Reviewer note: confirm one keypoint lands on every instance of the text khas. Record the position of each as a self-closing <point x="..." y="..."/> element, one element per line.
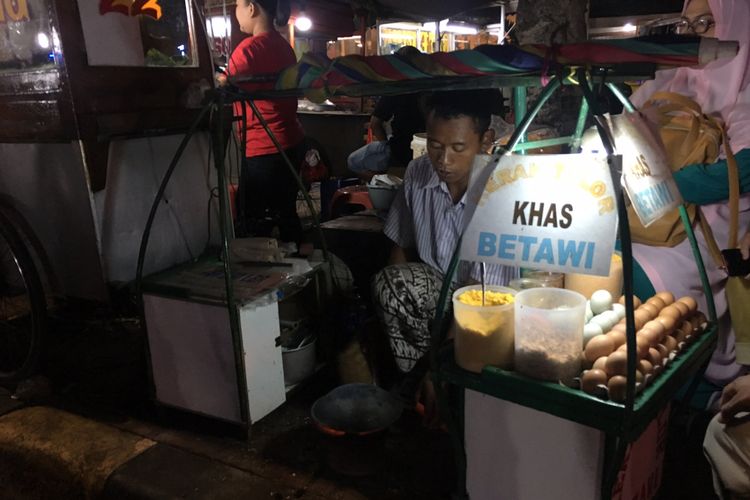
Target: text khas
<point x="531" y="213"/>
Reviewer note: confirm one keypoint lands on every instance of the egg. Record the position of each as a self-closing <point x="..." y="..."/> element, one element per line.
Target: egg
<point x="600" y="364"/>
<point x="597" y="347"/>
<point x="617" y="336"/>
<point x="695" y="322"/>
<point x="655" y="357"/>
<point x="620" y="327"/>
<point x="605" y="320"/>
<point x="672" y="311"/>
<point x="636" y="301"/>
<point x="701" y="318"/>
<point x="641" y="317"/>
<point x="591" y="330"/>
<point x="684" y="309"/>
<point x="651" y="336"/>
<point x="651" y="309"/>
<point x="666" y="297"/>
<point x="656" y="302"/>
<point x="668" y="322"/>
<point x="617" y="363"/>
<point x="588" y="312"/>
<point x="690" y="302"/>
<point x="645" y="367"/>
<point x="680" y="335"/>
<point x="670" y="343"/>
<point x="663" y="351"/>
<point x="657" y="327"/>
<point x="642" y="345"/>
<point x="617" y="388"/>
<point x="601" y="300"/>
<point x="619" y="310"/>
<point x="593" y="378"/>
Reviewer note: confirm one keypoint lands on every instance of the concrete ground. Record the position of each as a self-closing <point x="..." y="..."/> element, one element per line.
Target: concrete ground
<point x="98" y="393"/>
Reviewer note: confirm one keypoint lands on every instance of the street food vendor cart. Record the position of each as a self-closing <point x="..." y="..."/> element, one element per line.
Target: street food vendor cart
<point x="591" y="432"/>
<point x="95" y="97"/>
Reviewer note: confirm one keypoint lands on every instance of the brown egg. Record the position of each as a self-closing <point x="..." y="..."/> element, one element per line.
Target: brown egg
<point x="617" y="336"/>
<point x="684" y="309"/>
<point x="641" y="317"/>
<point x="655" y="357"/>
<point x="636" y="301"/>
<point x="617" y="363"/>
<point x="663" y="351"/>
<point x="679" y="334"/>
<point x="650" y="336"/>
<point x="642" y="345"/>
<point x="600" y="364"/>
<point x="645" y="367"/>
<point x="686" y="328"/>
<point x="620" y="327"/>
<point x="694" y="320"/>
<point x="593" y="378"/>
<point x="672" y="311"/>
<point x="617" y="388"/>
<point x="668" y="322"/>
<point x="651" y="309"/>
<point x="670" y="343"/>
<point x="599" y="346"/>
<point x="656" y="326"/>
<point x="690" y="302"/>
<point x="666" y="297"/>
<point x="656" y="302"/>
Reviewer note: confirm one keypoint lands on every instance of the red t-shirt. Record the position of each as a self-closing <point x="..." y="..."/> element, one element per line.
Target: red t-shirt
<point x="264" y="54"/>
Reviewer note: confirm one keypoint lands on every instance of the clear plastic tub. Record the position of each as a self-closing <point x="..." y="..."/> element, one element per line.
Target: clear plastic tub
<point x="484" y="334"/>
<point x="549" y="333"/>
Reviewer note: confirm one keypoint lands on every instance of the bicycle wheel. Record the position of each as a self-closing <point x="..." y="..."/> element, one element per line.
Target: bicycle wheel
<point x="22" y="306"/>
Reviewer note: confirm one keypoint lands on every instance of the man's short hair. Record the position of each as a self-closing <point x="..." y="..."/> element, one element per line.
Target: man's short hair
<point x="476" y="104"/>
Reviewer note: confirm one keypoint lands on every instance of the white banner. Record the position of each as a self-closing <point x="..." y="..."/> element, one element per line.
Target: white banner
<point x="551" y="212"/>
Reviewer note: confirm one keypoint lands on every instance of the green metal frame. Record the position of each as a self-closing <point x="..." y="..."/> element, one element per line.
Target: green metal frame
<point x="622" y="423"/>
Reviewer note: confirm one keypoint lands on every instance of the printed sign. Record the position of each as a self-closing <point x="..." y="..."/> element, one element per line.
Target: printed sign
<point x="551" y="212"/>
<point x="17" y="11"/>
<point x="647" y="177"/>
<point x="131" y="7"/>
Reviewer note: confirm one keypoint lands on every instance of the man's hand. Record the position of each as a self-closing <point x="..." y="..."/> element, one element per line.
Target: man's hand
<point x="735" y="398"/>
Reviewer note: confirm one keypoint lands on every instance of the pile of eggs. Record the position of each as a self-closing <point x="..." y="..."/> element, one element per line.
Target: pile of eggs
<point x="664" y="326"/>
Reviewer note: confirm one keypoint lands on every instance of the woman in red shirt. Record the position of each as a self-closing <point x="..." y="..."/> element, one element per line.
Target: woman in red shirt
<point x="267" y="193"/>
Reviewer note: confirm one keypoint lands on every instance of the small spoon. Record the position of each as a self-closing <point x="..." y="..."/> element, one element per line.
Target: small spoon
<point x="482" y="278"/>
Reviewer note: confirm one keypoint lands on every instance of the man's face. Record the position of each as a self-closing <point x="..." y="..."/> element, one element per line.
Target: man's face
<point x="452" y="145"/>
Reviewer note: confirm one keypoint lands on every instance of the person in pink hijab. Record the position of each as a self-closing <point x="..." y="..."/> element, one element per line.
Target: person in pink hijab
<point x="722" y="90"/>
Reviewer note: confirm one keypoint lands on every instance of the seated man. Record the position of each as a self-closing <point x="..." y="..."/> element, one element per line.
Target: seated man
<point x="425" y="222"/>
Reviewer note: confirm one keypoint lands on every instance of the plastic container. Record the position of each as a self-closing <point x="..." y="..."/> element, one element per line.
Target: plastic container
<point x="549" y="279"/>
<point x="549" y="333"/>
<point x="525" y="283"/>
<point x="484" y="334"/>
<point x="418" y="145"/>
<point x="298" y="363"/>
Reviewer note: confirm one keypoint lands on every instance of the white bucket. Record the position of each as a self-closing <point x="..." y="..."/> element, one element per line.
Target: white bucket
<point x="418" y="145"/>
<point x="298" y="363"/>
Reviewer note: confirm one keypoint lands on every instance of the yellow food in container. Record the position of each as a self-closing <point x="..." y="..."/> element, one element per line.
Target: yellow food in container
<point x="484" y="334"/>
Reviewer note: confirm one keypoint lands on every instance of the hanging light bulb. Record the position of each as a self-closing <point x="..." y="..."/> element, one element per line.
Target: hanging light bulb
<point x="302" y="23"/>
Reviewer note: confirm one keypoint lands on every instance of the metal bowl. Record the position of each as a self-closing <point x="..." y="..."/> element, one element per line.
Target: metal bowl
<point x="357" y="409"/>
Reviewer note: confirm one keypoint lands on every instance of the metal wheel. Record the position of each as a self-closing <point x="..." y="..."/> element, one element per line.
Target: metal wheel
<point x="22" y="306"/>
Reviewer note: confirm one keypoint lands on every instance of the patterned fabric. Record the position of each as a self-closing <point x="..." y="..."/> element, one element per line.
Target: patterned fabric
<point x="323" y="77"/>
<point x="406" y="298"/>
<point x="423" y="216"/>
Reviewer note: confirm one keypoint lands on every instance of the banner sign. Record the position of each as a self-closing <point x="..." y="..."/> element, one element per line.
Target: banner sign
<point x="551" y="212"/>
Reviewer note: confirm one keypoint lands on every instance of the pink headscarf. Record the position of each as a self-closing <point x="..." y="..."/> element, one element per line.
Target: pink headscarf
<point x="721" y="86"/>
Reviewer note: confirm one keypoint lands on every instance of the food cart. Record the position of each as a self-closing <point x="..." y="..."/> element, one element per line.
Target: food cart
<point x="95" y="97"/>
<point x="595" y="431"/>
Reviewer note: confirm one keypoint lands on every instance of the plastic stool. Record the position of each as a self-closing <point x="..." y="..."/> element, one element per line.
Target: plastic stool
<point x="350" y="195"/>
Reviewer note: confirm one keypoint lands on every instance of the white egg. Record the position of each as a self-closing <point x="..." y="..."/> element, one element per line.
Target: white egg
<point x="589" y="312"/>
<point x="601" y="301"/>
<point x="611" y="317"/>
<point x="590" y="331"/>
<point x="604" y="321"/>
<point x="619" y="310"/>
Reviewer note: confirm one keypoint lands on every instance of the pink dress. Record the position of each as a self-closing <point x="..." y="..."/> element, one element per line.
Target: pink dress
<point x="721" y="88"/>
